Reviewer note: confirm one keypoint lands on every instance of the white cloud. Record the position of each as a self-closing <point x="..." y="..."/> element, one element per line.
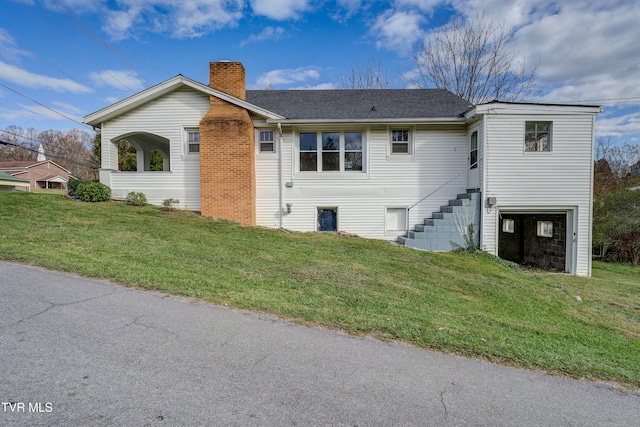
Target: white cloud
<point x="127" y="80"/>
<point x="269" y="33"/>
<point x="35" y="112"/>
<point x="424" y="5"/>
<point x="280" y="9"/>
<point x="287" y="77"/>
<point x="181" y="19"/>
<point x="398" y="30"/>
<point x="618" y="126"/>
<point x="25" y="78"/>
<point x="9" y="49"/>
<point x="321" y="86"/>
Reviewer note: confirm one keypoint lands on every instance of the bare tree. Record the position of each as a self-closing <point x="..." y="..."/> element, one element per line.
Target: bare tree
<point x="371" y="75"/>
<point x="617" y="166"/>
<point x="475" y="59"/>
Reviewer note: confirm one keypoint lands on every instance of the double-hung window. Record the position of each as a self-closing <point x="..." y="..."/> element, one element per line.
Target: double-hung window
<point x="266" y="141"/>
<point x="193" y="141"/>
<point x="400" y="141"/>
<point x="537" y="136"/>
<point x="331" y="151"/>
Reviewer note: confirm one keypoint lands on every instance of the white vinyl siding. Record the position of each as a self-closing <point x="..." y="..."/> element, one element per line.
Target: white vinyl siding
<point x="169" y="117"/>
<point x="559" y="180"/>
<point x="440" y="154"/>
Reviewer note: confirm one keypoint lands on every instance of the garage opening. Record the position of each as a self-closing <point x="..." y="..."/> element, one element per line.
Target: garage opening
<point x="534" y="239"/>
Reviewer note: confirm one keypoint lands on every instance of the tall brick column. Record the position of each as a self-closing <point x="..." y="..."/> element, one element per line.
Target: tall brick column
<point x="227" y="162"/>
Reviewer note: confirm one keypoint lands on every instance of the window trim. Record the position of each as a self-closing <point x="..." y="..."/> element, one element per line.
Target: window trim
<point x="550" y="136"/>
<point x="188" y="131"/>
<point x="473" y="139"/>
<point x="317" y="219"/>
<point x="410" y="132"/>
<point x="259" y="141"/>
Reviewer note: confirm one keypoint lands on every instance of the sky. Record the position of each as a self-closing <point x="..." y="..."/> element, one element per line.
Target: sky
<point x="63" y="59"/>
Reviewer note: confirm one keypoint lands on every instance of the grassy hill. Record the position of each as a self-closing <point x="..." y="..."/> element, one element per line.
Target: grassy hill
<point x="466" y="304"/>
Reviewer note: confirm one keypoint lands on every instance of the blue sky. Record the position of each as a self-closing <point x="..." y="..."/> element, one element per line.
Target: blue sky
<point x="78" y="56"/>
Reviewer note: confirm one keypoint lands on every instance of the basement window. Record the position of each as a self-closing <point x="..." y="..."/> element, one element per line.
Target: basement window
<point x="545" y="229"/>
<point x="508" y="226"/>
<point x="327" y="219"/>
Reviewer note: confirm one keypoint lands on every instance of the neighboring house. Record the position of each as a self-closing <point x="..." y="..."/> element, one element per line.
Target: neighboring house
<point x="40" y="173"/>
<point x="417" y="165"/>
<point x="11" y="183"/>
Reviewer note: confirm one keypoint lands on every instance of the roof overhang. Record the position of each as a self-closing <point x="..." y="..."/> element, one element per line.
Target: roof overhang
<point x="524" y="108"/>
<point x="396" y="121"/>
<point x="114" y="110"/>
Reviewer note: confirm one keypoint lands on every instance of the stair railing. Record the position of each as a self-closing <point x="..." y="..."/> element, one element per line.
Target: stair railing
<point x="426" y="197"/>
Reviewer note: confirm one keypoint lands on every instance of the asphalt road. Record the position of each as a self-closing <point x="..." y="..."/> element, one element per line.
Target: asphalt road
<point x="80" y="352"/>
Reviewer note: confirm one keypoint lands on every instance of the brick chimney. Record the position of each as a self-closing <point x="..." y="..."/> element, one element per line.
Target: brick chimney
<point x="227" y="148"/>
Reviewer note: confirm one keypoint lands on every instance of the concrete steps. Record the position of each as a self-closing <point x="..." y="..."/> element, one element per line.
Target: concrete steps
<point x="446" y="226"/>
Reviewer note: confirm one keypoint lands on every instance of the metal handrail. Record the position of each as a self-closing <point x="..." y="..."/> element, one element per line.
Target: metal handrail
<point x="427" y="196"/>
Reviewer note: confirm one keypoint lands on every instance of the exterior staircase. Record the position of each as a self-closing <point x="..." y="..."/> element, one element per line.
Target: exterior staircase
<point x="447" y="225"/>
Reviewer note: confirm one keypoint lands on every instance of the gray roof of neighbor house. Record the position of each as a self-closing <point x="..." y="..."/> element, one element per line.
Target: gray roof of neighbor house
<point x="359" y="104"/>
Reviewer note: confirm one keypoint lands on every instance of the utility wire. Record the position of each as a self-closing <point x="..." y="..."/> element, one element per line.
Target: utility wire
<point x="48" y="108"/>
<point x="75" y="162"/>
<point x="75" y="47"/>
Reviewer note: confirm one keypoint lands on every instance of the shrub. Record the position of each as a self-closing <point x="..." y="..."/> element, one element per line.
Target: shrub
<point x="169" y="204"/>
<point x="91" y="191"/>
<point x="72" y="186"/>
<point x="136" y="199"/>
<point x="616" y="226"/>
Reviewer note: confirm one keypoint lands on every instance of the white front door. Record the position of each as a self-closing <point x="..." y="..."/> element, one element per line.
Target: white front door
<point x="473" y="179"/>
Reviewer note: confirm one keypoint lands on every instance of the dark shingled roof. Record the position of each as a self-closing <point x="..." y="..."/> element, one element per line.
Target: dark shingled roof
<point x="359" y="104"/>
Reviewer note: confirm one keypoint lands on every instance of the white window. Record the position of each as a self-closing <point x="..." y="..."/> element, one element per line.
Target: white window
<point x="537" y="136"/>
<point x="193" y="141"/>
<point x="400" y="141"/>
<point x="265" y="139"/>
<point x="396" y="219"/>
<point x="545" y="228"/>
<point x="508" y="226"/>
<point x="331" y="151"/>
<point x="473" y="151"/>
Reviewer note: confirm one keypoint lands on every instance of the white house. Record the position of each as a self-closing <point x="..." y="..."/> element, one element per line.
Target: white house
<point x="416" y="165"/>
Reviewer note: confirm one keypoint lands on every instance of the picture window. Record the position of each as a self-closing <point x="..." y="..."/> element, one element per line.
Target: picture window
<point x="331" y="151"/>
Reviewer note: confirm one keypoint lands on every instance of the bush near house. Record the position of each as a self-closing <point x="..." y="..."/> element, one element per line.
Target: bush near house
<point x="91" y="191"/>
<point x="136" y="199"/>
<point x="616" y="226"/>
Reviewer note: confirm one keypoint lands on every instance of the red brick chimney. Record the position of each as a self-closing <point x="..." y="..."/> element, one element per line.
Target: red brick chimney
<point x="227" y="162"/>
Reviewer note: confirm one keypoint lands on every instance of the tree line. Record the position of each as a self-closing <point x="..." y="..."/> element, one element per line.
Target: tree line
<point x="74" y="149"/>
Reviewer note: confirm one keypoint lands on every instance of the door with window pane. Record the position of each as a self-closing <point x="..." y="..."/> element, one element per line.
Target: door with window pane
<point x="473" y="177"/>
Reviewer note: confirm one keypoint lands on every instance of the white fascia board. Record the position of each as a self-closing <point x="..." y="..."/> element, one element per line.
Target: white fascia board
<point x="531" y="108"/>
<point x="96" y="119"/>
<point x="382" y="121"/>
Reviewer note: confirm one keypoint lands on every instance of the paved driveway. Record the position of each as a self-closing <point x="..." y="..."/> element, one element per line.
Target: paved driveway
<point x="83" y="352"/>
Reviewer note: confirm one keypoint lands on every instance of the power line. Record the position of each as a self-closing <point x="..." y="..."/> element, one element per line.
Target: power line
<point x="75" y="162"/>
<point x="44" y="106"/>
<point x="75" y="48"/>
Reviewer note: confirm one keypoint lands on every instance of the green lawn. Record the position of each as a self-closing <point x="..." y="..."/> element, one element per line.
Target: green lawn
<point x="453" y="302"/>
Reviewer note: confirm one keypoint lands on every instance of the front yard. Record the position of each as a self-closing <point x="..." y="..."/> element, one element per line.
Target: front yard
<point x="451" y="302"/>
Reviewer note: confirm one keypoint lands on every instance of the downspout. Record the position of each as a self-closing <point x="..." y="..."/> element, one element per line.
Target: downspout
<point x="483" y="177"/>
<point x="280" y="181"/>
